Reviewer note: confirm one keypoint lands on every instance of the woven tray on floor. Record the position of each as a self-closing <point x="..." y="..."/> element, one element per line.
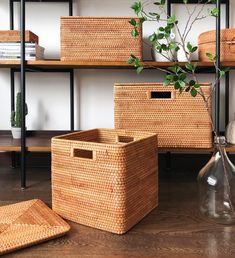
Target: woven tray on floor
<point x="27" y="223"/>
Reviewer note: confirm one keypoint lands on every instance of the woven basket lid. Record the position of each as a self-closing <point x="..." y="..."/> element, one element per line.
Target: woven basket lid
<point x="27" y="223"/>
<point x="210" y="36"/>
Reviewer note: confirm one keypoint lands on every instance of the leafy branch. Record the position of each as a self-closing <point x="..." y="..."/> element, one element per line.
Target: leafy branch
<point x="163" y="40"/>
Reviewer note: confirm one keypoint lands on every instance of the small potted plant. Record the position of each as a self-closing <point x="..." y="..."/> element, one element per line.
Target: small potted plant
<point x="16" y="118"/>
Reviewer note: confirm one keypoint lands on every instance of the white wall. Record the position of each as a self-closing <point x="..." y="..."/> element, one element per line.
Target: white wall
<point x="48" y="93"/>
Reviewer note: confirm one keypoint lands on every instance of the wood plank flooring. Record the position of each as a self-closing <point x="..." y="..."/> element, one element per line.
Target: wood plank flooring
<point x="173" y="230"/>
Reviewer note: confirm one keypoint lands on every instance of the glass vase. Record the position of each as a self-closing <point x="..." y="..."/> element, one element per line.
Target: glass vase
<point x="216" y="182"/>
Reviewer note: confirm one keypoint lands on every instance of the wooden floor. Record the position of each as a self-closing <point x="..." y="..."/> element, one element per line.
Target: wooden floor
<point x="174" y="229"/>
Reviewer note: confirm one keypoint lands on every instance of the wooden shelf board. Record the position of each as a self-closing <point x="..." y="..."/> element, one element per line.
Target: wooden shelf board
<point x="40" y="141"/>
<point x="34" y="144"/>
<point x="58" y="64"/>
<point x="105" y="64"/>
<point x="121" y="64"/>
<point x="36" y="141"/>
<point x="184" y="150"/>
<point x="9" y="63"/>
<point x="77" y="64"/>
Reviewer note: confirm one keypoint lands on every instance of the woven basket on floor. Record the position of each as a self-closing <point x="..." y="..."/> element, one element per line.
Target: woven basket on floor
<point x="206" y="44"/>
<point x="14" y="36"/>
<point x="98" y="39"/>
<point x="28" y="223"/>
<point x="105" y="178"/>
<point x="179" y="120"/>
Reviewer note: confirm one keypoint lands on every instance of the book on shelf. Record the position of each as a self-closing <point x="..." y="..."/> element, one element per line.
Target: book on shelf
<point x="12" y="51"/>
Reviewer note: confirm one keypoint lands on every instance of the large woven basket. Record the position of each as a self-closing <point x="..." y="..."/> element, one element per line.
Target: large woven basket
<point x="14" y="36"/>
<point x="105" y="178"/>
<point x="98" y="39"/>
<point x="180" y="121"/>
<point x="206" y="44"/>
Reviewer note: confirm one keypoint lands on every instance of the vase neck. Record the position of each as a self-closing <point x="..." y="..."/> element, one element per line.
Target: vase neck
<point x="219" y="141"/>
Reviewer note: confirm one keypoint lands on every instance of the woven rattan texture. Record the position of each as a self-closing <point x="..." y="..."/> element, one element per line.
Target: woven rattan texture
<point x="27" y="223"/>
<point x="115" y="188"/>
<point x="179" y="120"/>
<point x="14" y="36"/>
<point x="206" y="44"/>
<point x="98" y="39"/>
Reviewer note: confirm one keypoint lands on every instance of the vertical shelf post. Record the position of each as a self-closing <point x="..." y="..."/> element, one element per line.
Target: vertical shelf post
<point x="22" y="88"/>
<point x="227" y="75"/>
<point x="11" y="3"/>
<point x="217" y="86"/>
<point x="12" y="71"/>
<point x="13" y="153"/>
<point x="71" y="80"/>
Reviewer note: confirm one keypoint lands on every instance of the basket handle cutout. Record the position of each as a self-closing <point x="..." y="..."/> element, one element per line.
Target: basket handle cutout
<point x="80" y="153"/>
<point x="160" y="94"/>
<point x="125" y="139"/>
<point x="231" y="46"/>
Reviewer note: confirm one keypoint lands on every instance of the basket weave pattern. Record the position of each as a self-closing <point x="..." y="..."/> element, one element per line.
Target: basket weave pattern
<point x="98" y="39"/>
<point x="28" y="223"/>
<point x="206" y="44"/>
<point x="115" y="188"/>
<point x="179" y="121"/>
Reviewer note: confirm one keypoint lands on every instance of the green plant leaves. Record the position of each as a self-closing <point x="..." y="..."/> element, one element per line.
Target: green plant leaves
<point x="137" y="7"/>
<point x="211" y="56"/>
<point x="166" y="82"/>
<point x="133" y="22"/>
<point x="131" y="59"/>
<point x="135" y="33"/>
<point x="223" y="71"/>
<point x="161" y="2"/>
<point x="139" y="69"/>
<point x="175" y="68"/>
<point x="193" y="92"/>
<point x="215" y="12"/>
<point x="155" y="15"/>
<point x="190" y="48"/>
<point x="172" y="19"/>
<point x="136" y="62"/>
<point x="191" y="67"/>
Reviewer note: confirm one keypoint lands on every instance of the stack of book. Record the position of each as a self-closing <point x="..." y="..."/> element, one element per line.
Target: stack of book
<point x="11" y="51"/>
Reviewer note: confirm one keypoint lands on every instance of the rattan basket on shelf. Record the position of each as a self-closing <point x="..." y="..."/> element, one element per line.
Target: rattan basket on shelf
<point x="14" y="36"/>
<point x="98" y="39"/>
<point x="207" y="44"/>
<point x="180" y="120"/>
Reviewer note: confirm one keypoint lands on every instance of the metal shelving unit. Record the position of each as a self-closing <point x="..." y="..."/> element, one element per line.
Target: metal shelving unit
<point x="42" y="143"/>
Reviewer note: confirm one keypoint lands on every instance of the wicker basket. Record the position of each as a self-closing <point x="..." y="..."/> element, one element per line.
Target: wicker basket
<point x="105" y="178"/>
<point x="180" y="121"/>
<point x="206" y="44"/>
<point x="98" y="39"/>
<point x="14" y="36"/>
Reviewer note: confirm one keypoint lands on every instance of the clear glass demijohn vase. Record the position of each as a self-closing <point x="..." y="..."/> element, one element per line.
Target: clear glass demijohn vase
<point x="216" y="181"/>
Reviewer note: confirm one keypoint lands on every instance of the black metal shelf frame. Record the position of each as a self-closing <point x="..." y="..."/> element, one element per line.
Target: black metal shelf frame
<point x="218" y="29"/>
<point x="23" y="70"/>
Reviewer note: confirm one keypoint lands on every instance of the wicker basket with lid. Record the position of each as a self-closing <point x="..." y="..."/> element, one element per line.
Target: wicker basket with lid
<point x="207" y="44"/>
